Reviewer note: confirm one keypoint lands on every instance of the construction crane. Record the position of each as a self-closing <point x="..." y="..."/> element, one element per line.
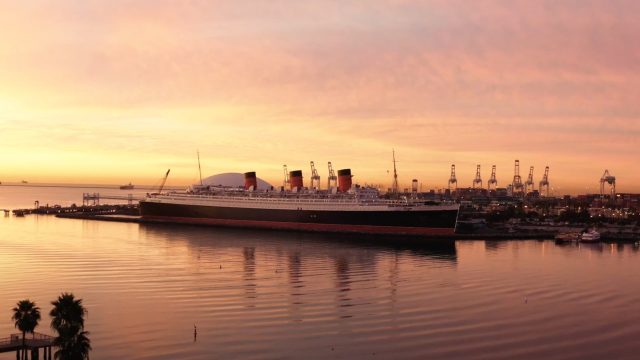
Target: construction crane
<point x="286" y="177"/>
<point x="163" y="181"/>
<point x="544" y="183"/>
<point x="395" y="186"/>
<point x="529" y="185"/>
<point x="517" y="185"/>
<point x="315" y="178"/>
<point x="492" y="184"/>
<point x="478" y="179"/>
<point x="608" y="179"/>
<point x="332" y="180"/>
<point x="452" y="179"/>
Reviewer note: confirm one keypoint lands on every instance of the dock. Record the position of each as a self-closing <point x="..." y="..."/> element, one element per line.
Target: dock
<point x="85" y="209"/>
<point x="90" y="205"/>
<point x="33" y="343"/>
<point x="94" y="198"/>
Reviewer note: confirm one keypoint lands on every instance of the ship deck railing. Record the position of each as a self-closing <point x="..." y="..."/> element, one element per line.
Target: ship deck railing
<point x="291" y="198"/>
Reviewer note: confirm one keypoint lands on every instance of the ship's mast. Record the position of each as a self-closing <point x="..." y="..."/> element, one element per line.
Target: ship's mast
<point x="199" y="168"/>
<point x="395" y="174"/>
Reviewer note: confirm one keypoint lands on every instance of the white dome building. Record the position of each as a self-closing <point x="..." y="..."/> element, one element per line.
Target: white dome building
<point x="232" y="179"/>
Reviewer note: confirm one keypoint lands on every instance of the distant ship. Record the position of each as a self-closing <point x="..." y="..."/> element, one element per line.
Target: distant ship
<point x="590" y="236"/>
<point x="24" y="182"/>
<point x="343" y="208"/>
<point x="127" y="187"/>
<point x="571" y="236"/>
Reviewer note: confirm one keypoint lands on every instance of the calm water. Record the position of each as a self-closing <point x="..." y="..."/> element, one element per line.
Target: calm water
<point x="269" y="295"/>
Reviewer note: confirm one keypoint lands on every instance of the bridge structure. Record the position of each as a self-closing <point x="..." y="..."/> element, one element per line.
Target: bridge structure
<point x="32" y="344"/>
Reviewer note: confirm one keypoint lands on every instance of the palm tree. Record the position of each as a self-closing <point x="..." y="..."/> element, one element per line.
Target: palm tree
<point x="67" y="312"/>
<point x="26" y="316"/>
<point x="72" y="346"/>
<point x="67" y="319"/>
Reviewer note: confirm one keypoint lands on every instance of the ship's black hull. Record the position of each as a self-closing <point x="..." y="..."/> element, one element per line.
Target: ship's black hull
<point x="434" y="222"/>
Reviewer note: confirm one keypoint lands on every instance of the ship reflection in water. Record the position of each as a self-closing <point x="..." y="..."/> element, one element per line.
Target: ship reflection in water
<point x="265" y="294"/>
<point x="350" y="257"/>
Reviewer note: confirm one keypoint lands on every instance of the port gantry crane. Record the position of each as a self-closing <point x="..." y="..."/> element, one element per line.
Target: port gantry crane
<point x="452" y="179"/>
<point x="332" y="180"/>
<point x="517" y="186"/>
<point x="315" y="178"/>
<point x="529" y="185"/>
<point x="478" y="179"/>
<point x="544" y="183"/>
<point x="286" y="182"/>
<point x="492" y="184"/>
<point x="608" y="179"/>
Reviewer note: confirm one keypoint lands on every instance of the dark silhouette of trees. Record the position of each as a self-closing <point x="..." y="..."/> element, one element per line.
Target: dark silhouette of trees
<point x="26" y="316"/>
<point x="67" y="319"/>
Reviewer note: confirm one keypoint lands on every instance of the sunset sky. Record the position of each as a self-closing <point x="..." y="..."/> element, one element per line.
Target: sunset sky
<point x="119" y="91"/>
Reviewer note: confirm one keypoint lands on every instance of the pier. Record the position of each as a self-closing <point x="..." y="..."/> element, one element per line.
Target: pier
<point x="33" y="343"/>
<point x="94" y="198"/>
<point x="122" y="209"/>
<point x="90" y="205"/>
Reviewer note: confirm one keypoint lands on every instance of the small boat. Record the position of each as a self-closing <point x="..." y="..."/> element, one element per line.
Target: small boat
<point x="127" y="187"/>
<point x="590" y="236"/>
<point x="571" y="236"/>
<point x="24" y="181"/>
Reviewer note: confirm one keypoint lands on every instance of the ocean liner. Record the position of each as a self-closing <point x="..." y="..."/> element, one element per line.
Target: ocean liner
<point x="342" y="208"/>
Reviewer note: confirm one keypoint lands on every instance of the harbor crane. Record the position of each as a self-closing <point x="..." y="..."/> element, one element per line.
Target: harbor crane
<point x="518" y="187"/>
<point x="611" y="181"/>
<point x="452" y="179"/>
<point x="286" y="177"/>
<point x="332" y="180"/>
<point x="478" y="179"/>
<point x="164" y="181"/>
<point x="492" y="184"/>
<point x="529" y="185"/>
<point x="315" y="177"/>
<point x="544" y="183"/>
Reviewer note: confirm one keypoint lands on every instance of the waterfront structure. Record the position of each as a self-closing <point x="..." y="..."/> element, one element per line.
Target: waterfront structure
<point x="345" y="209"/>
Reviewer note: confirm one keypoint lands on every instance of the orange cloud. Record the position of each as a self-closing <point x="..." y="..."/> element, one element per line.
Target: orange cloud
<point x="136" y="87"/>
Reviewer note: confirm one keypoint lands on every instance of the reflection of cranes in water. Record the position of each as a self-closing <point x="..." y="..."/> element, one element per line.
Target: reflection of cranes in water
<point x="343" y="286"/>
<point x="394" y="275"/>
<point x="296" y="285"/>
<point x="249" y="277"/>
<point x="295" y="265"/>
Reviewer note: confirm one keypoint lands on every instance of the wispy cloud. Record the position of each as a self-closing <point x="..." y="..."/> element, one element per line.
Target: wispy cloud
<point x="550" y="82"/>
